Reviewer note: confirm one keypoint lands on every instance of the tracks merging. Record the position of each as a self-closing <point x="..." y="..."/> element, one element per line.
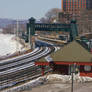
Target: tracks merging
<point x="19" y="69"/>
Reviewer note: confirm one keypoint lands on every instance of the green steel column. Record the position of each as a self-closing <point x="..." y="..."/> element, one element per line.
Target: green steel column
<point x="32" y="26"/>
<point x="27" y="34"/>
<point x="74" y="31"/>
<point x="31" y="31"/>
<point x="27" y="28"/>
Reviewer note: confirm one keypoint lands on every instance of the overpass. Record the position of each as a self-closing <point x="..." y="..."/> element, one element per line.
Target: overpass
<point x="32" y="27"/>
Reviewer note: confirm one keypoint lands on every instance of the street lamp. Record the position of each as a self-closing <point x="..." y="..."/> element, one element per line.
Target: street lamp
<point x="73" y="70"/>
<point x="29" y="39"/>
<point x="17" y="29"/>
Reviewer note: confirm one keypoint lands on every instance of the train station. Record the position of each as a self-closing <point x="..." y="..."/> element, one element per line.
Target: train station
<point x="75" y="53"/>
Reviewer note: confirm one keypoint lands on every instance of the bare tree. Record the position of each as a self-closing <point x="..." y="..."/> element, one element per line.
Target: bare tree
<point x="52" y="15"/>
<point x="43" y="20"/>
<point x="85" y="21"/>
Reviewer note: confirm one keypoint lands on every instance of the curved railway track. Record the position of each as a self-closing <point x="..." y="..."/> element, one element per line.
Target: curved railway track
<point x="8" y="61"/>
<point x="19" y="61"/>
<point x="22" y="68"/>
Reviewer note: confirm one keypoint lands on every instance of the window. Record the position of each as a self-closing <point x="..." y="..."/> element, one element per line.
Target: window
<point x="87" y="68"/>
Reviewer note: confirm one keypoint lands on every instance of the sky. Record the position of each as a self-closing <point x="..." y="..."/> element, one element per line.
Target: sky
<point x="24" y="9"/>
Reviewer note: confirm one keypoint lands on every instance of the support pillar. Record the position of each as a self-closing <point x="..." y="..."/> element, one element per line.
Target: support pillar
<point x="42" y="71"/>
<point x="52" y="65"/>
<point x="74" y="30"/>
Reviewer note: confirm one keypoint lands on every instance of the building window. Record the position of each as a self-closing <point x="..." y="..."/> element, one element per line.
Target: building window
<point x="87" y="68"/>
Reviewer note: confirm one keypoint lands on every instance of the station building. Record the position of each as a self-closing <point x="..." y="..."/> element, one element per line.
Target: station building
<point x="75" y="53"/>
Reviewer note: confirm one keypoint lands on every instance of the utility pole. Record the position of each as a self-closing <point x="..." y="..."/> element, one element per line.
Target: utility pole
<point x="73" y="70"/>
<point x="29" y="39"/>
<point x="72" y="82"/>
<point x="17" y="36"/>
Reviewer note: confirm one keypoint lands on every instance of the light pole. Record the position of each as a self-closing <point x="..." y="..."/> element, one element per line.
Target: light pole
<point x="72" y="82"/>
<point x="73" y="70"/>
<point x="17" y="35"/>
<point x="29" y="39"/>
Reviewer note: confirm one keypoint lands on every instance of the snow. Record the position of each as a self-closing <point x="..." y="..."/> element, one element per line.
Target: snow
<point x="48" y="58"/>
<point x="8" y="44"/>
<point x="48" y="78"/>
<point x="67" y="78"/>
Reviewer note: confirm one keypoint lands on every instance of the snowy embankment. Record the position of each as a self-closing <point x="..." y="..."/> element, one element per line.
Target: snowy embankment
<point x="49" y="78"/>
<point x="8" y="45"/>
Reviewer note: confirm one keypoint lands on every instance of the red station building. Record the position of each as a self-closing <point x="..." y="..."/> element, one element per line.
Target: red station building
<point x="74" y="53"/>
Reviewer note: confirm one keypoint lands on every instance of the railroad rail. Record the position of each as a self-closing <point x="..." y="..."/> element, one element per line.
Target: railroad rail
<point x="25" y="76"/>
<point x="22" y="68"/>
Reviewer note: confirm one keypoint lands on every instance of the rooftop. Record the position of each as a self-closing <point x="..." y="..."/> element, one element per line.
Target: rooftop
<point x="72" y="52"/>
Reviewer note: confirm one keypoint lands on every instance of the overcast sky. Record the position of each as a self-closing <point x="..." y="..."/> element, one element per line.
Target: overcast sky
<point x="24" y="9"/>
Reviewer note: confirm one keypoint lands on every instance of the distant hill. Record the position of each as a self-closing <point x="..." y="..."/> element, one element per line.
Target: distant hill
<point x="5" y="22"/>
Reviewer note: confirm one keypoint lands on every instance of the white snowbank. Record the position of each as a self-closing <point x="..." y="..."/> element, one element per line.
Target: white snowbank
<point x="8" y="45"/>
<point x="41" y="80"/>
<point x="67" y="78"/>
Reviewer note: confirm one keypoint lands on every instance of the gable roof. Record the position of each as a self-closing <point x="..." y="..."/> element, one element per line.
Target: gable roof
<point x="73" y="52"/>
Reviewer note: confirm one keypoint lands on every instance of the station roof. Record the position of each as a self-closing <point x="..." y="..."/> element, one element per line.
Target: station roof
<point x="72" y="52"/>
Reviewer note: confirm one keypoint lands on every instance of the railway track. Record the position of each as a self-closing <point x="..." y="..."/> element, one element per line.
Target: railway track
<point x="20" y="69"/>
<point x="22" y="64"/>
<point x="8" y="61"/>
<point x="18" y="62"/>
<point x="20" y="78"/>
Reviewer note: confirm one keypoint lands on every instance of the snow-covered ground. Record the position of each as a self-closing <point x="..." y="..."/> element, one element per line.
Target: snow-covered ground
<point x="63" y="79"/>
<point x="8" y="45"/>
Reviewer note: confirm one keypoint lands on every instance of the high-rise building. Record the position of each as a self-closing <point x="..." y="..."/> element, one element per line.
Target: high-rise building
<point x="74" y="6"/>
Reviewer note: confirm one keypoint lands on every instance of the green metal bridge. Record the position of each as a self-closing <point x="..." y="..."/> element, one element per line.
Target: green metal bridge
<point x="32" y="27"/>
